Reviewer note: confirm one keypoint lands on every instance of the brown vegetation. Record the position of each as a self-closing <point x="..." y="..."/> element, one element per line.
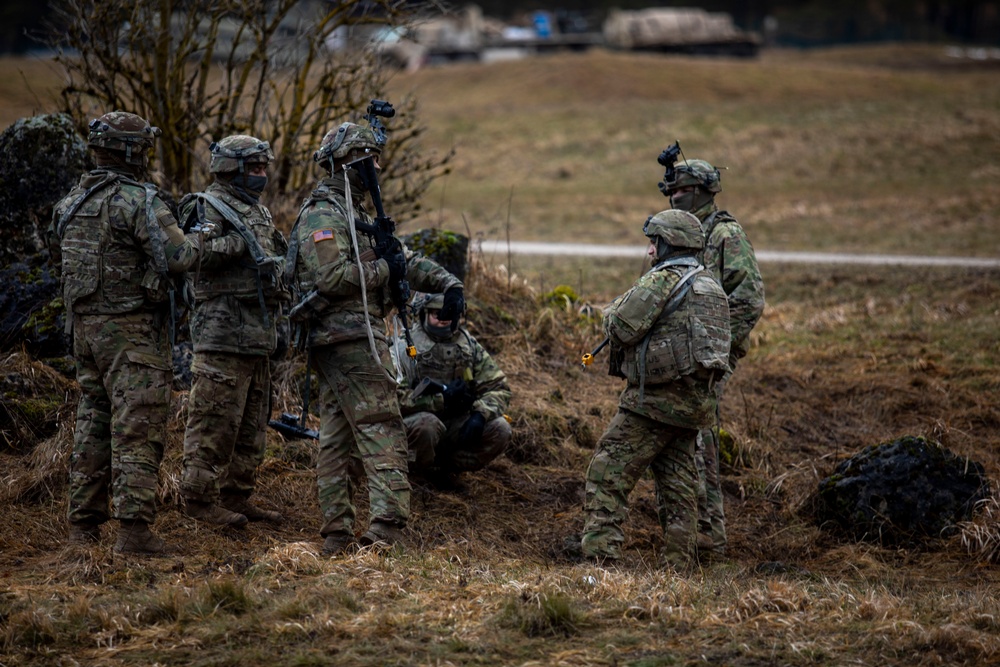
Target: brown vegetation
<point x="844" y="357"/>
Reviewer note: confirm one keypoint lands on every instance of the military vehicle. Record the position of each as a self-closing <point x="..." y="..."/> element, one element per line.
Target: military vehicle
<point x="682" y="30"/>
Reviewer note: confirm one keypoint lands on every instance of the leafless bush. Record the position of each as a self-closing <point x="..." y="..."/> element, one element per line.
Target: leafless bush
<point x="282" y="70"/>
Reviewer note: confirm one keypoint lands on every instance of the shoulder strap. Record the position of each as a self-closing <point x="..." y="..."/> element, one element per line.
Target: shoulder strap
<point x="234" y="219"/>
<point x="84" y="196"/>
<point x="674" y="299"/>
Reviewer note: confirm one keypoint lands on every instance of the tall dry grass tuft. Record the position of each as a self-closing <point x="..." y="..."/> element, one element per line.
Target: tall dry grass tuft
<point x="980" y="538"/>
<point x="542" y="614"/>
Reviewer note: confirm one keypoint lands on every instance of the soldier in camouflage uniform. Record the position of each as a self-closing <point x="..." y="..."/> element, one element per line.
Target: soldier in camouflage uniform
<point x="238" y="292"/>
<point x="460" y="425"/>
<point x="120" y="245"/>
<point x="669" y="338"/>
<point x="344" y="280"/>
<point x="729" y="256"/>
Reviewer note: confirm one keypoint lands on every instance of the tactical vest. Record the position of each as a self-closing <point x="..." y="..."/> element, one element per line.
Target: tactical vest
<point x="241" y="279"/>
<point x="94" y="262"/>
<point x="442" y="361"/>
<point x="694" y="336"/>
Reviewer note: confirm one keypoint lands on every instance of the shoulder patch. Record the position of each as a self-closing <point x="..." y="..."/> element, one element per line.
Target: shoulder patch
<point x="322" y="235"/>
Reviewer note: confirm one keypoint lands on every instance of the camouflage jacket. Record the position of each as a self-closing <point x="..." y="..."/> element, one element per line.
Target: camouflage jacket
<point x="325" y="260"/>
<point x="654" y="319"/>
<point x="460" y="358"/>
<point x="117" y="241"/>
<point x="236" y="305"/>
<point x="730" y="257"/>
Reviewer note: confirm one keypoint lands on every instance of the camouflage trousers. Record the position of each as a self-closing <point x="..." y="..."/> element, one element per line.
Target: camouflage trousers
<point x="226" y="432"/>
<point x="359" y="418"/>
<point x="123" y="367"/>
<point x="711" y="516"/>
<point x="629" y="446"/>
<point x="436" y="442"/>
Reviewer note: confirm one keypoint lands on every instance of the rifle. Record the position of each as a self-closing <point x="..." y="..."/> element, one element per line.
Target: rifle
<point x="383" y="229"/>
<point x="293" y="427"/>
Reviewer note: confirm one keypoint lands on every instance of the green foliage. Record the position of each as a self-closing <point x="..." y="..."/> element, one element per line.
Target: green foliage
<point x="561" y="295"/>
<point x="225" y="595"/>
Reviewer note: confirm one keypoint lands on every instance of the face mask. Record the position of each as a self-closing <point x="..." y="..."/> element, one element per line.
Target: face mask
<point x="256" y="183"/>
<point x="683" y="201"/>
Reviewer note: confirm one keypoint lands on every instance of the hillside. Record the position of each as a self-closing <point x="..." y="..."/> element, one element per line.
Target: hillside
<point x="844" y="150"/>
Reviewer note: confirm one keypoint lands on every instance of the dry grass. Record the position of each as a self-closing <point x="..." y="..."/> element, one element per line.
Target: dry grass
<point x="843" y="358"/>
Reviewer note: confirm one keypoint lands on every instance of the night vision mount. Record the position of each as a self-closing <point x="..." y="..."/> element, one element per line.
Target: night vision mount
<point x="668" y="157"/>
<point x="377" y="110"/>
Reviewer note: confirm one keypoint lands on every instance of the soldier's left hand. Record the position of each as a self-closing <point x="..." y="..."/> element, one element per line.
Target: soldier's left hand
<point x="454" y="305"/>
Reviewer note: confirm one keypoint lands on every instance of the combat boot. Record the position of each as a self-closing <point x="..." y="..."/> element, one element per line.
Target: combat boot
<point x="135" y="537"/>
<point x="84" y="533"/>
<point x="382" y="533"/>
<point x="337" y="544"/>
<point x="241" y="505"/>
<point x="214" y="514"/>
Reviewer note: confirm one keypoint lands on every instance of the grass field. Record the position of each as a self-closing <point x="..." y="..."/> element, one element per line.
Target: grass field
<point x="887" y="149"/>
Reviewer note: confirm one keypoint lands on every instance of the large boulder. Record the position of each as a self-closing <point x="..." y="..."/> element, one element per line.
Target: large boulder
<point x="448" y="249"/>
<point x="900" y="492"/>
<point x="41" y="159"/>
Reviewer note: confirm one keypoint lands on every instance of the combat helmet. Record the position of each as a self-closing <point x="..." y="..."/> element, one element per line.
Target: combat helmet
<point x="694" y="172"/>
<point x="678" y="229"/>
<point x="338" y="144"/>
<point x="123" y="132"/>
<point x="235" y="153"/>
<point x="433" y="302"/>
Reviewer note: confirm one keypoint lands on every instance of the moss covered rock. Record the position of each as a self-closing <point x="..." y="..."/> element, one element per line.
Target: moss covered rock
<point x="448" y="249"/>
<point x="41" y="159"/>
<point x="900" y="492"/>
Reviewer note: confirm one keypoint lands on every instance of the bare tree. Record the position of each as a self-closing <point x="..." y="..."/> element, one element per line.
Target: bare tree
<point x="283" y="70"/>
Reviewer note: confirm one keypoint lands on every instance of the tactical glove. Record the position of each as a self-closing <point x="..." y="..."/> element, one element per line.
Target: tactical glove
<point x="471" y="434"/>
<point x="454" y="306"/>
<point x="397" y="267"/>
<point x="458" y="398"/>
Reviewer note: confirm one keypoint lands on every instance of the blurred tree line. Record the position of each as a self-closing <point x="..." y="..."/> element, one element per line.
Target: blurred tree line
<point x="790" y="22"/>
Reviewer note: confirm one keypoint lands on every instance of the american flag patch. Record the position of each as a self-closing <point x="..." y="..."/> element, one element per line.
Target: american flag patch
<point x="322" y="235"/>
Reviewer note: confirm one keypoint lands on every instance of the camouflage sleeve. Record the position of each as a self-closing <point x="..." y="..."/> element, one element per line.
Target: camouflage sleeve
<point x="337" y="273"/>
<point x="426" y="275"/>
<point x="741" y="280"/>
<point x="632" y="315"/>
<point x="181" y="251"/>
<point x="492" y="391"/>
<point x="218" y="246"/>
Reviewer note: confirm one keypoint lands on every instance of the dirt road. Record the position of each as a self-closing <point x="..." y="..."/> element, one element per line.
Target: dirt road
<point x="500" y="248"/>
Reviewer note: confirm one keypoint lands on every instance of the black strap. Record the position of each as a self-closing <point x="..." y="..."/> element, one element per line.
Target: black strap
<point x="253" y="245"/>
<point x="674" y="300"/>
